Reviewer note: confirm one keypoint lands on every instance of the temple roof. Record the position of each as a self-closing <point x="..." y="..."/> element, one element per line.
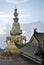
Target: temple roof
<point x="39" y="36"/>
<point x="29" y="51"/>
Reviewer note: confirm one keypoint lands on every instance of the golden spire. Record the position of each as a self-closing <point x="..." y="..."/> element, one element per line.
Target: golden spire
<point x="15" y="15"/>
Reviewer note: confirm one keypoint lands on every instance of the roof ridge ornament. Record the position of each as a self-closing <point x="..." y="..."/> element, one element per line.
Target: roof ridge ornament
<point x="35" y="30"/>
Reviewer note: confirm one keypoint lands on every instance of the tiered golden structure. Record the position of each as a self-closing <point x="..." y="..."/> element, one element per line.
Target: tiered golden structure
<point x="15" y="35"/>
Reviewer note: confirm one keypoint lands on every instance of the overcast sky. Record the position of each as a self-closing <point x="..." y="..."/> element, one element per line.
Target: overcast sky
<point x="29" y="11"/>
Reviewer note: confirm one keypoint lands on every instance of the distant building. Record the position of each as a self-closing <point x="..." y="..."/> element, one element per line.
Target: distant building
<point x="1" y="51"/>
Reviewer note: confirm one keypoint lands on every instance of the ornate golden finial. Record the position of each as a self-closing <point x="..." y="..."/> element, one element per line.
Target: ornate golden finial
<point x="15" y="15"/>
<point x="15" y="8"/>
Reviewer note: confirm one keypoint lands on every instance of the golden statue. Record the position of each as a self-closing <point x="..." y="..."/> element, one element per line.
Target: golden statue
<point x="16" y="36"/>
